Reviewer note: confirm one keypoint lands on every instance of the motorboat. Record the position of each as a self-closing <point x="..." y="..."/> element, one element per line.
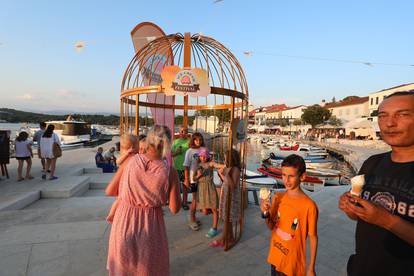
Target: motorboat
<point x="250" y="177"/>
<point x="72" y="133"/>
<point x="310" y="183"/>
<point x="311" y="162"/>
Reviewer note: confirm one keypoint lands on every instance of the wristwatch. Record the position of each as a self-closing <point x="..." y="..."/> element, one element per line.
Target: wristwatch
<point x="265" y="215"/>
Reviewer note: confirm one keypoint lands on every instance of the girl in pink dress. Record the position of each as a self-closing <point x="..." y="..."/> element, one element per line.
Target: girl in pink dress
<point x="138" y="241"/>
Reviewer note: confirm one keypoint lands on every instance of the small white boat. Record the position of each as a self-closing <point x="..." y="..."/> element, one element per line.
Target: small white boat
<point x="250" y="177"/>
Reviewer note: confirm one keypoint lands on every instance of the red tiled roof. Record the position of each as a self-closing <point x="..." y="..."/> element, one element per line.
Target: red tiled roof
<point x="275" y="108"/>
<point x="293" y="107"/>
<point x="350" y="101"/>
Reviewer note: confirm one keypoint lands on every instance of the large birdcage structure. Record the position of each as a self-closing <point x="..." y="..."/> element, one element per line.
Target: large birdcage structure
<point x="143" y="101"/>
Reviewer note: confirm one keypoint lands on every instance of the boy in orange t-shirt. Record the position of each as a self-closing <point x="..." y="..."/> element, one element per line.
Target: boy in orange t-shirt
<point x="292" y="217"/>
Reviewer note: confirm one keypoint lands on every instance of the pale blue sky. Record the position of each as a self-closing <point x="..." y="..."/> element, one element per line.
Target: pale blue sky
<point x="40" y="69"/>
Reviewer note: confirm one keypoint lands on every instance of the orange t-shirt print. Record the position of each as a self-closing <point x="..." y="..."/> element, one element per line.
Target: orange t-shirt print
<point x="296" y="219"/>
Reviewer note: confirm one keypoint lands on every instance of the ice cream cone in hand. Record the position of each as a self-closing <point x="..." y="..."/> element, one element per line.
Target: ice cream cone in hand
<point x="357" y="183"/>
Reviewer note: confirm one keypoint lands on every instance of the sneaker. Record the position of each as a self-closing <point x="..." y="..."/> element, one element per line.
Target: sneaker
<point x="211" y="233"/>
<point x="194" y="226"/>
<point x="53" y="178"/>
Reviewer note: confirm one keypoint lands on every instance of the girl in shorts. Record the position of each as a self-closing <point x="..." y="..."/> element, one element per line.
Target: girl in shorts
<point x="191" y="163"/>
<point x="23" y="153"/>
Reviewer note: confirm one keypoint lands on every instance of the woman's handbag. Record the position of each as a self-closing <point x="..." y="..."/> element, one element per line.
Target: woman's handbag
<point x="57" y="150"/>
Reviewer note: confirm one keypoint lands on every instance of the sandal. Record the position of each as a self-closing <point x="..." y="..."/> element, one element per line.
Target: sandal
<point x="193" y="226"/>
<point x="216" y="243"/>
<point x="29" y="177"/>
<point x="185" y="207"/>
<point x="53" y="178"/>
<point x="20" y="179"/>
<point x="198" y="222"/>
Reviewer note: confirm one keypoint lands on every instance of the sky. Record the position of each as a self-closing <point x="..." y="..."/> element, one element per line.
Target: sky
<point x="301" y="51"/>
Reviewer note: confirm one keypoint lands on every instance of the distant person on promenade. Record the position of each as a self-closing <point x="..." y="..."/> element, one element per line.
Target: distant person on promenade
<point x="190" y="164"/>
<point x="24" y="152"/>
<point x="292" y="217"/>
<point x="385" y="212"/>
<point x="99" y="159"/>
<point x="138" y="242"/>
<point x="47" y="144"/>
<point x="36" y="138"/>
<point x="109" y="156"/>
<point x="207" y="199"/>
<point x="179" y="148"/>
<point x="129" y="147"/>
<point x="230" y="174"/>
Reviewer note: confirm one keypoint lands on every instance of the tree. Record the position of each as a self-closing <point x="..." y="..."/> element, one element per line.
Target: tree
<point x="315" y="115"/>
<point x="297" y="122"/>
<point x="334" y="121"/>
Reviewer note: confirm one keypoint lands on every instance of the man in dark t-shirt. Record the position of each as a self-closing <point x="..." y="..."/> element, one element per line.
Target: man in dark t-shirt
<point x="385" y="211"/>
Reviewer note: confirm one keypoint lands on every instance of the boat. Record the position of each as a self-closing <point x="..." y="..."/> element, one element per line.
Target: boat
<point x="310" y="183"/>
<point x="72" y="133"/>
<point x="251" y="178"/>
<point x="311" y="162"/>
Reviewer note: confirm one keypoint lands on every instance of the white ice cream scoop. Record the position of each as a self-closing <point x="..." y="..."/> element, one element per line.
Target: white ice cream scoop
<point x="357" y="183"/>
<point x="264" y="194"/>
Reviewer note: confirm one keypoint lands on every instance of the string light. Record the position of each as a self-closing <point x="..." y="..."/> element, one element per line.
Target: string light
<point x="370" y="64"/>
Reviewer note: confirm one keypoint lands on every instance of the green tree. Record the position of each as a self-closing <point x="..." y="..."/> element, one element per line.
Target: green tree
<point x="315" y="115"/>
<point x="297" y="122"/>
<point x="333" y="120"/>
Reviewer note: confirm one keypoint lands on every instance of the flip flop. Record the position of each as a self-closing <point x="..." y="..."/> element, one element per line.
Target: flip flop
<point x="20" y="179"/>
<point x="53" y="178"/>
<point x="29" y="177"/>
<point x="216" y="243"/>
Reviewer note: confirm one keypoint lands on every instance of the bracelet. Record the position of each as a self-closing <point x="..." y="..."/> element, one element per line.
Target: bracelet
<point x="265" y="215"/>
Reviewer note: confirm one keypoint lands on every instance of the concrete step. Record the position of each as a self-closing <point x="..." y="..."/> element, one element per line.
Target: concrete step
<point x="100" y="181"/>
<point x="94" y="193"/>
<point x="19" y="200"/>
<point x="82" y="202"/>
<point x="65" y="187"/>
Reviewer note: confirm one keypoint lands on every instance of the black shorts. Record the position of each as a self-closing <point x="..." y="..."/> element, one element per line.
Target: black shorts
<point x="24" y="158"/>
<point x="274" y="272"/>
<point x="193" y="188"/>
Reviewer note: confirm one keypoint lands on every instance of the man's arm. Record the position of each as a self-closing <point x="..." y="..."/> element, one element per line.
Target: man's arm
<point x="313" y="247"/>
<point x="379" y="216"/>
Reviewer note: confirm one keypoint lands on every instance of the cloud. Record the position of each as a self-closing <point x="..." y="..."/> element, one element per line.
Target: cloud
<point x="26" y="97"/>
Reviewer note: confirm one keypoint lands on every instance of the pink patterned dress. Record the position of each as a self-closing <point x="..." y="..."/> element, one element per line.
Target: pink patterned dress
<point x="138" y="242"/>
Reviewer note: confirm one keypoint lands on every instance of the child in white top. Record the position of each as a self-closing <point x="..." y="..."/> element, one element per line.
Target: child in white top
<point x="24" y="152"/>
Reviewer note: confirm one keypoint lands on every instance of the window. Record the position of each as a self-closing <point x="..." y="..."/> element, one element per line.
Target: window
<point x="372" y="101"/>
<point x="376" y="100"/>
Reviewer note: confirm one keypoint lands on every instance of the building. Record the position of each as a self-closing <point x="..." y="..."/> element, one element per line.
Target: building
<point x="349" y="108"/>
<point x="377" y="97"/>
<point x="274" y="113"/>
<point x="206" y="124"/>
<point x="293" y="112"/>
<point x="263" y="114"/>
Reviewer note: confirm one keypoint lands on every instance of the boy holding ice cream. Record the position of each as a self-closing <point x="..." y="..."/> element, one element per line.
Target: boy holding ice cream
<point x="292" y="217"/>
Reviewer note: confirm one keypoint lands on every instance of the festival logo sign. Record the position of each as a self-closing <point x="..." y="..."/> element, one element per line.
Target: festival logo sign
<point x="192" y="82"/>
